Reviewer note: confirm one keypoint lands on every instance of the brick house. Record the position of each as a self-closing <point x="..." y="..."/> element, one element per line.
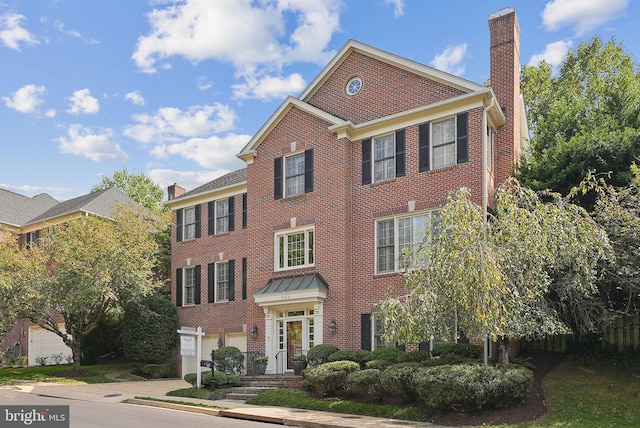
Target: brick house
<point x="297" y="248"/>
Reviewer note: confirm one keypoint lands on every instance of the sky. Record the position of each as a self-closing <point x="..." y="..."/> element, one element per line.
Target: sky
<point x="174" y="89"/>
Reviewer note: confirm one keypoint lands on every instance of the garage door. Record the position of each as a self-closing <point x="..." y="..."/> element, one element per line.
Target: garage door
<point x="44" y="344"/>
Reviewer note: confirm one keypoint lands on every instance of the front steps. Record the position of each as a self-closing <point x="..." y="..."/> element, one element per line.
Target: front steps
<point x="253" y="386"/>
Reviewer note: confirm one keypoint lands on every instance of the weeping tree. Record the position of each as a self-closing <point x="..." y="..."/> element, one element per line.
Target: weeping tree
<point x="526" y="271"/>
<point x="80" y="270"/>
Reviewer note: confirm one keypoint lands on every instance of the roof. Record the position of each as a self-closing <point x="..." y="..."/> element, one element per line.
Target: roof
<point x="309" y="281"/>
<point x="16" y="210"/>
<point x="230" y="179"/>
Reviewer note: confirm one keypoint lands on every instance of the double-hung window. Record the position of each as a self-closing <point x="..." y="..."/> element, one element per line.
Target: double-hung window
<point x="398" y="240"/>
<point x="222" y="216"/>
<point x="188" y="286"/>
<point x="188" y="223"/>
<point x="293" y="174"/>
<point x="222" y="282"/>
<point x="189" y="291"/>
<point x="443" y="143"/>
<point x="294" y="249"/>
<point x="383" y="157"/>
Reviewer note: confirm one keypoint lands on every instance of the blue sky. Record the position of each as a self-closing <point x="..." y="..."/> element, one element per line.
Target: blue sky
<point x="175" y="88"/>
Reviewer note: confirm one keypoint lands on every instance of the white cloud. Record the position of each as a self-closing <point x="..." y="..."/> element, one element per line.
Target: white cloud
<point x="398" y="7"/>
<point x="212" y="152"/>
<point x="51" y="113"/>
<point x="269" y="87"/>
<point x="71" y="32"/>
<point x="170" y="124"/>
<point x="553" y="53"/>
<point x="135" y="97"/>
<point x="26" y="99"/>
<point x="204" y="83"/>
<point x="257" y="38"/>
<point x="12" y="34"/>
<point x="450" y="60"/>
<point x="583" y="16"/>
<point x="81" y="141"/>
<point x="81" y="102"/>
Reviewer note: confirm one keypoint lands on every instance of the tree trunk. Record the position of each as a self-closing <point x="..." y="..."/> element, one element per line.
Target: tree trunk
<point x="76" y="353"/>
<point x="504" y="345"/>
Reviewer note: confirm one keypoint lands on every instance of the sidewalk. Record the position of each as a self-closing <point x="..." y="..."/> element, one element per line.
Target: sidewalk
<point x="156" y="390"/>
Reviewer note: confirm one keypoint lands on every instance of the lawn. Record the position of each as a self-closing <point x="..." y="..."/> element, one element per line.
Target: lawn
<point x="21" y="375"/>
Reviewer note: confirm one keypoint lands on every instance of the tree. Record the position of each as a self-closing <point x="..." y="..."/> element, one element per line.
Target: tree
<point x="527" y="271"/>
<point x="80" y="270"/>
<point x="585" y="118"/>
<point x="138" y="187"/>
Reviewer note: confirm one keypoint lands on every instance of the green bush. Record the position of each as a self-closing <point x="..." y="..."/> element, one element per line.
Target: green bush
<point x="388" y="354"/>
<point x="471" y="386"/>
<point x="360" y="356"/>
<point x="105" y="341"/>
<point x="398" y="380"/>
<point x="157" y="371"/>
<point x="466" y="350"/>
<point x="221" y="379"/>
<point x="229" y="359"/>
<point x="365" y="383"/>
<point x="204" y="376"/>
<point x="378" y="364"/>
<point x="448" y="360"/>
<point x="319" y="354"/>
<point x="328" y="378"/>
<point x="414" y="357"/>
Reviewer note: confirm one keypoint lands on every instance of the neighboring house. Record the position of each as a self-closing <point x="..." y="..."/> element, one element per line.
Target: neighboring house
<point x="297" y="248"/>
<point x="27" y="217"/>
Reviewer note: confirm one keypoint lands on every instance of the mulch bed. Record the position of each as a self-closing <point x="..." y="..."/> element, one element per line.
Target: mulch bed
<point x="530" y="409"/>
<point x="73" y="373"/>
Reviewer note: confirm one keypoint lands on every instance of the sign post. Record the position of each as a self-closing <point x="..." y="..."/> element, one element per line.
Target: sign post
<point x="190" y="345"/>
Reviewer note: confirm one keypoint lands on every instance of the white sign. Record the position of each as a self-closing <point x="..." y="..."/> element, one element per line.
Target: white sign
<point x="187" y="345"/>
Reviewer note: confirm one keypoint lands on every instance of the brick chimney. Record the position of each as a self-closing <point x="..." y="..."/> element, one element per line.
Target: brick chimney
<point x="505" y="82"/>
<point x="174" y="191"/>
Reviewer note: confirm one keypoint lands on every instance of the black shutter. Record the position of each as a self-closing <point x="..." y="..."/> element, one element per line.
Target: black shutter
<point x="401" y="347"/>
<point x="400" y="153"/>
<point x="178" y="225"/>
<point x="277" y="178"/>
<point x="308" y="171"/>
<point x="37" y="235"/>
<point x="198" y="285"/>
<point x="232" y="221"/>
<point x="423" y="147"/>
<point x="424" y="346"/>
<point x="366" y="161"/>
<point x="462" y="137"/>
<point x="244" y="210"/>
<point x="211" y="273"/>
<point x="178" y="287"/>
<point x="244" y="278"/>
<point x="211" y="224"/>
<point x="232" y="280"/>
<point x="198" y="227"/>
<point x="365" y="331"/>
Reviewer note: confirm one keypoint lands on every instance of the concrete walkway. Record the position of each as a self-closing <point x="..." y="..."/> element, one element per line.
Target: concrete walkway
<point x="127" y="392"/>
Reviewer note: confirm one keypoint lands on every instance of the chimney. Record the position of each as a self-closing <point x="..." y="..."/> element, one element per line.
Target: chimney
<point x="174" y="191"/>
<point x="505" y="82"/>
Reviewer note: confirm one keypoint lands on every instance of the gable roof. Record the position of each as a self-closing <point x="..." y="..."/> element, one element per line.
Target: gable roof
<point x="16" y="210"/>
<point x="228" y="180"/>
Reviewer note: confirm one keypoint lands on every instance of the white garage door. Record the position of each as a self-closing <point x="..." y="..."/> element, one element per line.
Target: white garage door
<point x="44" y="344"/>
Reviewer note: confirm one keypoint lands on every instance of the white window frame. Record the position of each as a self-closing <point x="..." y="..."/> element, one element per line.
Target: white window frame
<point x="400" y="263"/>
<point x="189" y="229"/>
<point x="383" y="158"/>
<point x="189" y="286"/>
<point x="444" y="144"/>
<point x="376" y="336"/>
<point x="296" y="177"/>
<point x="221" y="216"/>
<point x="221" y="282"/>
<point x="281" y="248"/>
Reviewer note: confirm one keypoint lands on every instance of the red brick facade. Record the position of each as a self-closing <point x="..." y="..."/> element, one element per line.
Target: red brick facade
<point x="396" y="95"/>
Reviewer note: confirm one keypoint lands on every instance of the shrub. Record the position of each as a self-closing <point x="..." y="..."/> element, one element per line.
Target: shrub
<point x="229" y="359"/>
<point x="466" y="350"/>
<point x="157" y="371"/>
<point x="388" y="354"/>
<point x="365" y="383"/>
<point x="449" y="360"/>
<point x="398" y="380"/>
<point x="414" y="357"/>
<point x="360" y="356"/>
<point x="328" y="378"/>
<point x="220" y="378"/>
<point x="378" y="364"/>
<point x="319" y="354"/>
<point x="204" y="376"/>
<point x="472" y="386"/>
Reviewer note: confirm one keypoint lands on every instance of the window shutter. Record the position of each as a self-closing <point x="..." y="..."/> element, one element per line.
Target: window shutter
<point x="365" y="330"/>
<point x="198" y="227"/>
<point x="244" y="210"/>
<point x="37" y="234"/>
<point x="423" y="147"/>
<point x="232" y="217"/>
<point x="462" y="137"/>
<point x="308" y="171"/>
<point x="198" y="287"/>
<point x="401" y="347"/>
<point x="424" y="346"/>
<point x="211" y="227"/>
<point x="178" y="225"/>
<point x="277" y="178"/>
<point x="211" y="274"/>
<point x="232" y="280"/>
<point x="400" y="153"/>
<point x="366" y="161"/>
<point x="178" y="287"/>
<point x="244" y="278"/>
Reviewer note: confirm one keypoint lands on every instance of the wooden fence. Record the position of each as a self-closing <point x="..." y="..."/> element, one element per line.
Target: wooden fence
<point x="623" y="333"/>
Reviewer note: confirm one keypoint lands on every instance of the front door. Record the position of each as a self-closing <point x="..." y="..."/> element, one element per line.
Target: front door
<point x="294" y="340"/>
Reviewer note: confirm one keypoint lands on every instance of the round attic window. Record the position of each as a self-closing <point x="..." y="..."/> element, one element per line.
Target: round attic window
<point x="354" y="85"/>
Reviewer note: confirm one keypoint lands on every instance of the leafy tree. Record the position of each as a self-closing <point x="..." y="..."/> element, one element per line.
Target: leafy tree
<point x="80" y="270"/>
<point x="138" y="187"/>
<point x="585" y="118"/>
<point x="528" y="271"/>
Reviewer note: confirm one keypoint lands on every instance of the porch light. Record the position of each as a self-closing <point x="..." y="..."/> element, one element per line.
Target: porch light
<point x="254" y="331"/>
<point x="333" y="326"/>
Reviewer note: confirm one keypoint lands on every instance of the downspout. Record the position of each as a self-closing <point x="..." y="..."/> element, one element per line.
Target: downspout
<point x="485" y="195"/>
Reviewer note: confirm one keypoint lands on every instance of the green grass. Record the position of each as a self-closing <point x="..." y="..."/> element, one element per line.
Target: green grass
<point x="21" y="375"/>
<point x="183" y="403"/>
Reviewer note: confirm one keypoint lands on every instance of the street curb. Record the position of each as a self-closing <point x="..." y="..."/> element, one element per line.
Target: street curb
<point x="174" y="406"/>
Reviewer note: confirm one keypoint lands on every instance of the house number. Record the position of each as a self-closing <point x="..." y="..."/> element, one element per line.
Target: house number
<point x="285" y="297"/>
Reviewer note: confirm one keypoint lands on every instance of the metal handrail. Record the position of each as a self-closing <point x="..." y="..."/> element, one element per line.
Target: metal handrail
<point x="282" y="358"/>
